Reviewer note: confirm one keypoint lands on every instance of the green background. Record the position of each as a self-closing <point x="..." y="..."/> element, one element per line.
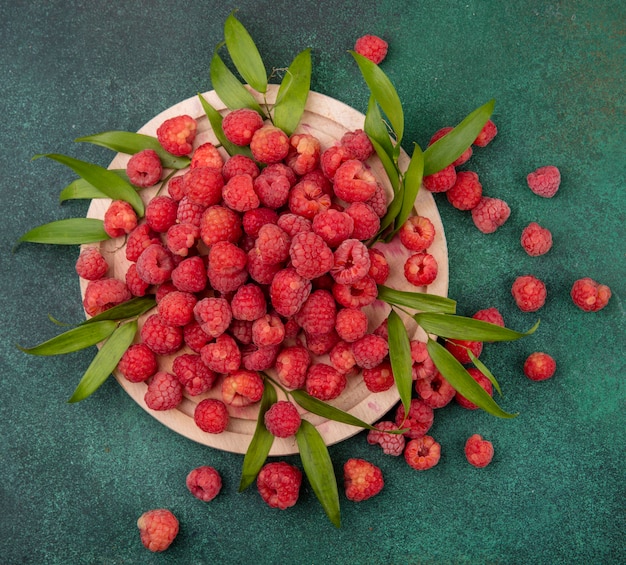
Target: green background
<point x="75" y="478"/>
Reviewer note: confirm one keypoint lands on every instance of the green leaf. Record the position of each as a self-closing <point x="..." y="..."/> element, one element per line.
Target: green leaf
<point x="129" y="309"/>
<point x="245" y="54"/>
<point x="452" y="145"/>
<point x="376" y="129"/>
<point x="73" y="340"/>
<point x="261" y="441"/>
<point x="460" y="327"/>
<point x="81" y="189"/>
<point x="131" y="143"/>
<point x="484" y="370"/>
<point x="293" y="93"/>
<point x="462" y="381"/>
<point x="400" y="358"/>
<point x="412" y="183"/>
<point x="384" y="92"/>
<point x="105" y="361"/>
<point x="104" y="180"/>
<point x="416" y="300"/>
<point x="67" y="232"/>
<point x="319" y="470"/>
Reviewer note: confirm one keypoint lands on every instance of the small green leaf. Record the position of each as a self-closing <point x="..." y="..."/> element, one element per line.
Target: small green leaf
<point x="261" y="441"/>
<point x="460" y="327"/>
<point x="73" y="340"/>
<point x="376" y="129"/>
<point x="412" y="182"/>
<point x="416" y="300"/>
<point x="67" y="232"/>
<point x="462" y="381"/>
<point x="104" y="180"/>
<point x="245" y="54"/>
<point x="484" y="370"/>
<point x="400" y="358"/>
<point x="105" y="361"/>
<point x="81" y="189"/>
<point x="319" y="470"/>
<point x="293" y="93"/>
<point x="131" y="143"/>
<point x="452" y="145"/>
<point x="129" y="309"/>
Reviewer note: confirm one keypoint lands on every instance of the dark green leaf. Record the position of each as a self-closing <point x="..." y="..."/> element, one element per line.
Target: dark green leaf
<point x="105" y="361"/>
<point x="293" y="93"/>
<point x="416" y="300"/>
<point x="484" y="370"/>
<point x="412" y="182"/>
<point x="452" y="145"/>
<point x="261" y="441"/>
<point x="376" y="129"/>
<point x="81" y="189"/>
<point x="462" y="381"/>
<point x="67" y="232"/>
<point x="73" y="340"/>
<point x="319" y="470"/>
<point x="245" y="54"/>
<point x="129" y="309"/>
<point x="460" y="327"/>
<point x="400" y="358"/>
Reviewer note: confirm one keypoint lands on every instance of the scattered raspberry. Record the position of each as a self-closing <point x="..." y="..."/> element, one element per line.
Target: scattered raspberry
<point x="418" y="421"/>
<point x="155" y="264"/>
<point x="211" y="416"/>
<point x="226" y="258"/>
<point x="181" y="238"/>
<point x="206" y="155"/>
<point x="288" y="291"/>
<point x="539" y="366"/>
<point x="272" y="244"/>
<point x="536" y="240"/>
<point x="273" y="185"/>
<point x="490" y="213"/>
<point x="354" y="182"/>
<point x="466" y="154"/>
<point x="254" y="220"/>
<point x="529" y="293"/>
<point x="136" y="285"/>
<point x="436" y="392"/>
<point x="91" y="265"/>
<point x="459" y="349"/>
<point x="333" y="226"/>
<point x="325" y="382"/>
<point x="279" y="484"/>
<point x="193" y="374"/>
<point x="138" y="239"/>
<point x="366" y="220"/>
<point x="222" y="356"/>
<point x="190" y="275"/>
<point x="491" y="315"/>
<point x="214" y="315"/>
<point x="362" y="479"/>
<point x="483" y="381"/>
<point x="203" y="186"/>
<point x="238" y="194"/>
<point x="119" y="219"/>
<point x="239" y="125"/>
<point x="545" y="181"/>
<point x="268" y="330"/>
<point x="369" y="351"/>
<point x="351" y="324"/>
<point x="176" y="135"/>
<point x="318" y="313"/>
<point x="160" y="337"/>
<point x="282" y="419"/>
<point x="102" y="294"/>
<point x="417" y="233"/>
<point x="420" y="269"/>
<point x="164" y="392"/>
<point x="259" y="358"/>
<point x="144" y="168"/>
<point x="176" y="308"/>
<point x="138" y="363"/>
<point x="351" y="262"/>
<point x="176" y="188"/>
<point x="292" y="364"/>
<point x="440" y="181"/>
<point x="479" y="451"/>
<point x="392" y="444"/>
<point x="242" y="388"/>
<point x="308" y="199"/>
<point x="589" y="295"/>
<point x="358" y="143"/>
<point x="189" y="212"/>
<point x="372" y="47"/>
<point x="379" y="378"/>
<point x="240" y="165"/>
<point x="269" y="144"/>
<point x="342" y="358"/>
<point x="321" y="344"/>
<point x="161" y="213"/>
<point x="485" y="136"/>
<point x="204" y="483"/>
<point x="423" y="366"/>
<point x="466" y="192"/>
<point x="157" y="529"/>
<point x="304" y="153"/>
<point x="358" y="294"/>
<point x="219" y="223"/>
<point x="422" y="453"/>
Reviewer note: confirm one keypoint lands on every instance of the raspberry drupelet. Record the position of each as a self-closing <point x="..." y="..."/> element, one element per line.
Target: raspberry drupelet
<point x="157" y="528"/>
<point x="204" y="483"/>
<point x="279" y="484"/>
<point x="589" y="295"/>
<point x="362" y="479"/>
<point x="478" y="451"/>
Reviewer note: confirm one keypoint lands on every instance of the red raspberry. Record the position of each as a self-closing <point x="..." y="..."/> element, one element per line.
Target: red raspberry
<point x="392" y="444"/>
<point x="490" y="213"/>
<point x="293" y="224"/>
<point x="545" y="181"/>
<point x="436" y="392"/>
<point x="466" y="192"/>
<point x="318" y="313"/>
<point x="248" y="303"/>
<point x="273" y="185"/>
<point x="466" y="154"/>
<point x="342" y="358"/>
<point x="144" y="168"/>
<point x="176" y="188"/>
<point x="259" y="358"/>
<point x="372" y="47"/>
<point x="378" y="202"/>
<point x="358" y="294"/>
<point x="358" y="143"/>
<point x="420" y="269"/>
<point x="366" y="220"/>
<point x="161" y="213"/>
<point x="157" y="529"/>
<point x="292" y="329"/>
<point x="321" y="344"/>
<point x="333" y="226"/>
<point x="254" y="220"/>
<point x="382" y="330"/>
<point x="483" y="381"/>
<point x="485" y="136"/>
<point x="269" y="144"/>
<point x="478" y="451"/>
<point x="354" y="182"/>
<point x="203" y="186"/>
<point x="204" y="483"/>
<point x="379" y="267"/>
<point x="351" y="324"/>
<point x="160" y="337"/>
<point x="529" y="293"/>
<point x="119" y="219"/>
<point x="370" y="350"/>
<point x="380" y="378"/>
<point x="292" y="364"/>
<point x="222" y="356"/>
<point x="219" y="224"/>
<point x="422" y="453"/>
<point x="194" y="336"/>
<point x="226" y="258"/>
<point x="193" y="374"/>
<point x="260" y="272"/>
<point x="239" y="125"/>
<point x="138" y="363"/>
<point x="238" y="193"/>
<point x="211" y="416"/>
<point x="272" y="244"/>
<point x="242" y="388"/>
<point x="320" y="179"/>
<point x="240" y="165"/>
<point x="310" y="255"/>
<point x="459" y="349"/>
<point x="362" y="479"/>
<point x="227" y="283"/>
<point x="176" y="135"/>
<point x="164" y="392"/>
<point x="102" y="294"/>
<point x="91" y="265"/>
<point x="589" y="295"/>
<point x="351" y="262"/>
<point x="279" y="484"/>
<point x="417" y="233"/>
<point x="163" y="290"/>
<point x="206" y="155"/>
<point x="214" y="315"/>
<point x="288" y="291"/>
<point x="308" y="199"/>
<point x="155" y="264"/>
<point x="423" y="366"/>
<point x="268" y="330"/>
<point x="491" y="315"/>
<point x="282" y="419"/>
<point x="418" y="421"/>
<point x="539" y="366"/>
<point x="325" y="382"/>
<point x="181" y="238"/>
<point x="189" y="212"/>
<point x="136" y="285"/>
<point x="304" y="153"/>
<point x="190" y="275"/>
<point x="138" y="239"/>
<point x="536" y="240"/>
<point x="440" y="181"/>
<point x="176" y="308"/>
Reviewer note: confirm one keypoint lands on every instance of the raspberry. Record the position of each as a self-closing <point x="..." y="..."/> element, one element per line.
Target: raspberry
<point x="366" y="220"/>
<point x="466" y="192"/>
<point x="351" y="324"/>
<point x="181" y="238"/>
<point x="238" y="193"/>
<point x="102" y="294"/>
<point x="155" y="264"/>
<point x="333" y="226"/>
<point x="269" y="144"/>
<point x="163" y="290"/>
<point x="362" y="479"/>
<point x="226" y="258"/>
<point x="351" y="262"/>
<point x="189" y="212"/>
<point x="268" y="330"/>
<point x="260" y="272"/>
<point x="539" y="366"/>
<point x="161" y="213"/>
<point x="318" y="313"/>
<point x="292" y="364"/>
<point x="369" y="351"/>
<point x="239" y="125"/>
<point x="308" y="199"/>
<point x="354" y="182"/>
<point x="176" y="135"/>
<point x="273" y="185"/>
<point x="138" y="239"/>
<point x="382" y="330"/>
<point x="213" y="315"/>
<point x="325" y="382"/>
<point x="164" y="392"/>
<point x="423" y="366"/>
<point x="332" y="158"/>
<point x="545" y="181"/>
<point x="417" y="233"/>
<point x="483" y="381"/>
<point x="119" y="219"/>
<point x="219" y="224"/>
<point x="160" y="337"/>
<point x="204" y="483"/>
<point x="490" y="213"/>
<point x="194" y="336"/>
<point x="358" y="294"/>
<point x="304" y="153"/>
<point x="342" y="358"/>
<point x="272" y="244"/>
<point x="358" y="143"/>
<point x="91" y="265"/>
<point x="392" y="444"/>
<point x="440" y="181"/>
<point x="422" y="453"/>
<point x="491" y="315"/>
<point x="536" y="240"/>
<point x="485" y="136"/>
<point x="292" y="329"/>
<point x="529" y="293"/>
<point x="466" y="154"/>
<point x="420" y="269"/>
<point x="206" y="155"/>
<point x="241" y="330"/>
<point x="240" y="165"/>
<point x="138" y="363"/>
<point x="318" y="178"/>
<point x="176" y="188"/>
<point x="203" y="186"/>
<point x="589" y="295"/>
<point x="418" y="421"/>
<point x="259" y="358"/>
<point x="157" y="529"/>
<point x="379" y="267"/>
<point x="248" y="303"/>
<point x="227" y="283"/>
<point x="222" y="356"/>
<point x="282" y="419"/>
<point x="436" y="392"/>
<point x="242" y="388"/>
<point x="321" y="344"/>
<point x="288" y="291"/>
<point x="380" y="378"/>
<point x="372" y="47"/>
<point x="478" y="451"/>
<point x="144" y="168"/>
<point x="176" y="308"/>
<point x="378" y="202"/>
<point x="279" y="484"/>
<point x="190" y="275"/>
<point x="211" y="416"/>
<point x="193" y="374"/>
<point x="459" y="349"/>
<point x="310" y="255"/>
<point x="254" y="220"/>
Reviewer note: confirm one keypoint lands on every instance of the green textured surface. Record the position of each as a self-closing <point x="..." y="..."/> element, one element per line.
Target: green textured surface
<point x="74" y="478"/>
